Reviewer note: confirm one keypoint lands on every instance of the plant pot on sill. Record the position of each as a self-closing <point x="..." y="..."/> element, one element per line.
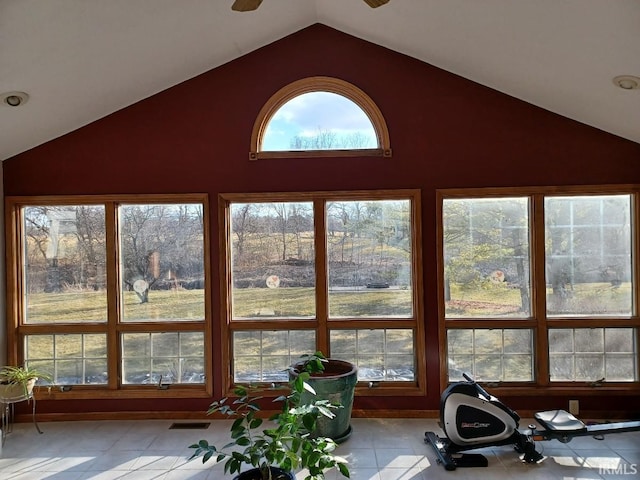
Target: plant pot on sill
<point x="336" y="384"/>
<point x="276" y="474"/>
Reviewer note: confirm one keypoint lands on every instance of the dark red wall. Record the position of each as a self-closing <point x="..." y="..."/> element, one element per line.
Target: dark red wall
<point x="445" y="132"/>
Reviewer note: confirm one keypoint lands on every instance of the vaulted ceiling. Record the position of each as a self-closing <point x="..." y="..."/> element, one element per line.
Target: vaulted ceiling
<point x="80" y="60"/>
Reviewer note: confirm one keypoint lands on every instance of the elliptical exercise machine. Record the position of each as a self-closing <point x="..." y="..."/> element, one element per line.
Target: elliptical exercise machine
<point x="473" y="418"/>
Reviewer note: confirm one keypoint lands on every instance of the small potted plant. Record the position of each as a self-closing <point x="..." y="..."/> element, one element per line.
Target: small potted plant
<point x="276" y="451"/>
<point x="17" y="383"/>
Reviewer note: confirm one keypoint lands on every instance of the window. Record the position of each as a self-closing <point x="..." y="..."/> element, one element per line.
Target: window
<point x="497" y="354"/>
<point x="336" y="272"/>
<point x="111" y="291"/>
<point x="319" y="121"/>
<point x="589" y="354"/>
<point x="588" y="255"/>
<point x="486" y="257"/>
<point x="537" y="286"/>
<point x="319" y="116"/>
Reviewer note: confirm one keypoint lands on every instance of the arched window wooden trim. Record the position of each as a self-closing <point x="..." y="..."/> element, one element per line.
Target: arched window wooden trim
<point x="320" y="84"/>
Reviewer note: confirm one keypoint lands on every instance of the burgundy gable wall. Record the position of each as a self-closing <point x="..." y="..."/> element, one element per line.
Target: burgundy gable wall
<point x="445" y="132"/>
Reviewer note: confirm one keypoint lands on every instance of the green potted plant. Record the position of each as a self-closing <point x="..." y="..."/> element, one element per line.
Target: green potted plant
<point x="17" y="382"/>
<point x="332" y="380"/>
<point x="273" y="453"/>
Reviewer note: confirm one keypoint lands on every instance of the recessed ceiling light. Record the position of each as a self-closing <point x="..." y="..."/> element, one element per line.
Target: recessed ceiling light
<point x="627" y="82"/>
<point x="14" y="99"/>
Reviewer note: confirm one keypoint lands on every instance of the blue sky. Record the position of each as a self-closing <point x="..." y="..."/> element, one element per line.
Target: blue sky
<point x="310" y="113"/>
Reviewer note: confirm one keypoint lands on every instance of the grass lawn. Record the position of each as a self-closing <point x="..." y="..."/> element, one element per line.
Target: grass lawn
<point x="75" y="307"/>
<point x="300" y="302"/>
<point x="498" y="300"/>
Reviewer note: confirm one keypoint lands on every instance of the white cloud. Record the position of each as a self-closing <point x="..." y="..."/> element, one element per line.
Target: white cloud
<point x="323" y="110"/>
<point x="311" y="113"/>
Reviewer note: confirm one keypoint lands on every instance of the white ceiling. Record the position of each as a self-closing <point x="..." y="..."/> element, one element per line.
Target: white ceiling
<point x="80" y="60"/>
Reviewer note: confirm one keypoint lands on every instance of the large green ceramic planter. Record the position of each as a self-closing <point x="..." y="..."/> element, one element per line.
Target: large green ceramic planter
<point x="336" y="384"/>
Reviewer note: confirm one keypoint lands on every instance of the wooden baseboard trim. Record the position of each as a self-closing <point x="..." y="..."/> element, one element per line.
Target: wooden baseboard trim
<point x="96" y="416"/>
<point x="395" y="413"/>
<point x="358" y="413"/>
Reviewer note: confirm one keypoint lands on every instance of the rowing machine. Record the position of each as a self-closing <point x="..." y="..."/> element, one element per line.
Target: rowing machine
<point x="472" y="418"/>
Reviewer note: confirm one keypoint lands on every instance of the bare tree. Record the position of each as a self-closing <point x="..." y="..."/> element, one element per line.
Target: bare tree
<point x="47" y="227"/>
<point x="90" y="233"/>
<point x="243" y="225"/>
<point x="282" y="224"/>
<point x="328" y="140"/>
<point x="159" y="242"/>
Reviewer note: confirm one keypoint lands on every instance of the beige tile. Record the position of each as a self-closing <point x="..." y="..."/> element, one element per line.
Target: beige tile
<point x="379" y="449"/>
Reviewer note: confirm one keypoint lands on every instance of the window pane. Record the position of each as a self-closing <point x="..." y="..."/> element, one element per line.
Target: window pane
<point x="379" y="354"/>
<point x="319" y="121"/>
<point x="590" y="354"/>
<point x="162" y="262"/>
<point x="272" y="260"/>
<point x="497" y="355"/>
<point x="588" y="255"/>
<point x="70" y="358"/>
<point x="264" y="356"/>
<point x="170" y="357"/>
<point x="65" y="275"/>
<point x="369" y="258"/>
<point x="486" y="257"/>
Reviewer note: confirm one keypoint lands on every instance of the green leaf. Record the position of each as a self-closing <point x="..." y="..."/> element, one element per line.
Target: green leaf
<point x="255" y="423"/>
<point x="325" y="411"/>
<point x="295" y="444"/>
<point x="309" y="422"/>
<point x="243" y="441"/>
<point x="344" y="470"/>
<point x="237" y="423"/>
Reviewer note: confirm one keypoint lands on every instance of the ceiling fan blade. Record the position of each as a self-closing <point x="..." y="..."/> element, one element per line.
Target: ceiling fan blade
<point x="376" y="3"/>
<point x="246" y="5"/>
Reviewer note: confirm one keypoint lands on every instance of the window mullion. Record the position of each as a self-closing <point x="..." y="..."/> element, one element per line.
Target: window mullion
<point x="539" y="291"/>
<point x="322" y="299"/>
<point x="113" y="297"/>
<point x="635" y="272"/>
<point x="635" y="266"/>
<point x="15" y="276"/>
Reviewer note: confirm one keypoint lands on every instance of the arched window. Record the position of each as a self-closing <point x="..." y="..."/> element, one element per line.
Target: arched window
<point x="319" y="117"/>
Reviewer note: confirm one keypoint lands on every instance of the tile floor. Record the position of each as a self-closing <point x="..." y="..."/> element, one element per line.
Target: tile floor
<point x="379" y="449"/>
